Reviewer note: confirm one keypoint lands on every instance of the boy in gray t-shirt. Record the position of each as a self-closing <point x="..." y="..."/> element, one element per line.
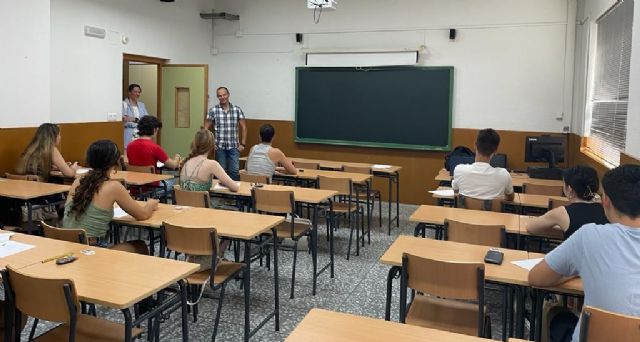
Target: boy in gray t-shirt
<point x="606" y="257"/>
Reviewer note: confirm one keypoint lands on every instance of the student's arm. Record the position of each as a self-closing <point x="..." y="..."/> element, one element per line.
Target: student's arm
<point x="560" y="264"/>
<point x="224" y="178"/>
<point x="543" y="276"/>
<point x="243" y="135"/>
<point x="509" y="194"/>
<point x="133" y="208"/>
<point x="161" y="155"/>
<point x="556" y="217"/>
<point x="287" y="165"/>
<point x="58" y="161"/>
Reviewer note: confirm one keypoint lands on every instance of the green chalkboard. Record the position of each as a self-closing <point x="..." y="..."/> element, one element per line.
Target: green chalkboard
<point x="405" y="107"/>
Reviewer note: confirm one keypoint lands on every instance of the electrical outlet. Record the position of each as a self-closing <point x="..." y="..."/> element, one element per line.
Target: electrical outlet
<point x="114" y="117"/>
<point x="566" y="129"/>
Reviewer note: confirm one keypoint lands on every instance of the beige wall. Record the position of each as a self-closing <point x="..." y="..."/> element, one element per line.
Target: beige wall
<point x="146" y="75"/>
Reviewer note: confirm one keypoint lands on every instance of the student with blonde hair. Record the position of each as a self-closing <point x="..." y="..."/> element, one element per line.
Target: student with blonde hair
<point x="42" y="155"/>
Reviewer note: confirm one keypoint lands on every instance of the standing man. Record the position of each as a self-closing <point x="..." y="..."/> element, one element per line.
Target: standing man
<point x="226" y="118"/>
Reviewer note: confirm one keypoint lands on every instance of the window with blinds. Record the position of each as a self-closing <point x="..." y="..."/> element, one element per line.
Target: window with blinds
<point x="610" y="89"/>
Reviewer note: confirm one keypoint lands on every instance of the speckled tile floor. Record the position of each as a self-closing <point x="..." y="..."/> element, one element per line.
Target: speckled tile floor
<point x="359" y="287"/>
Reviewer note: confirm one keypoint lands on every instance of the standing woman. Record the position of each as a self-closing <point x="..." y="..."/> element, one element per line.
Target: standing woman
<point x="132" y="110"/>
<point x="42" y="155"/>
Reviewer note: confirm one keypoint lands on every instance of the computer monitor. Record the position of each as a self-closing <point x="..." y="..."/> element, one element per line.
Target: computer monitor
<point x="545" y="148"/>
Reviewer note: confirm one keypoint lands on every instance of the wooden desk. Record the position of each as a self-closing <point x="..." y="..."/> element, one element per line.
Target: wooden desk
<point x="245" y="227"/>
<point x="164" y="212"/>
<point x="518" y="179"/>
<point x="435" y="215"/>
<point x="120" y="279"/>
<point x="28" y="191"/>
<point x="44" y="249"/>
<point x="140" y="178"/>
<point x="323" y="325"/>
<point x="535" y="201"/>
<point x="311" y="174"/>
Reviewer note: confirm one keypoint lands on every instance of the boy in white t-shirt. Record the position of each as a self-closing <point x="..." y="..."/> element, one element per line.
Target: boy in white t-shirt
<point x="480" y="180"/>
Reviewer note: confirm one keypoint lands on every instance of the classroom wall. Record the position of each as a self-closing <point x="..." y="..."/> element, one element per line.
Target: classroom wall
<point x="24" y="63"/>
<point x="86" y="73"/>
<point x="513" y="59"/>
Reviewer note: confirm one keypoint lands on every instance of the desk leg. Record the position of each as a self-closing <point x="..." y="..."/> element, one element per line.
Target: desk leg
<point x="506" y="302"/>
<point x="152" y="250"/>
<point x="128" y="325"/>
<point x="276" y="278"/>
<point x="314" y="247"/>
<point x="29" y="217"/>
<point x="397" y="200"/>
<point x="390" y="199"/>
<point x="183" y="305"/>
<point x="537" y="318"/>
<point x="520" y="298"/>
<point x="369" y="211"/>
<point x="164" y="187"/>
<point x="247" y="286"/>
<point x="330" y="227"/>
<point x="394" y="271"/>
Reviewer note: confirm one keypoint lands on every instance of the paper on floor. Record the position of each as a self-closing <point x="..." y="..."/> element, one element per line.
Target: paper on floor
<point x="527" y="264"/>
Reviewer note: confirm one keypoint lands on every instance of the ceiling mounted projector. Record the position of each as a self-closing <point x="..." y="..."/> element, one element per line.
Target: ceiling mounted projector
<point x="322" y="4"/>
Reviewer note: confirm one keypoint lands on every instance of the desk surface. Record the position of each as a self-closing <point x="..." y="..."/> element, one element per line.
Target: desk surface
<point x="232" y="224"/>
<point x="537" y="201"/>
<point x="139" y="178"/>
<point x="27" y="190"/>
<point x="337" y="165"/>
<point x="306" y="195"/>
<point x="437" y="214"/>
<point x="518" y="179"/>
<point x="507" y="273"/>
<point x="164" y="212"/>
<point x="314" y="174"/>
<point x="44" y="249"/>
<point x="323" y="325"/>
<point x="114" y="278"/>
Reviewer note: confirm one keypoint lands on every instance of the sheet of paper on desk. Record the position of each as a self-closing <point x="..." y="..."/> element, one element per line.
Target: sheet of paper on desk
<point x="219" y="186"/>
<point x="82" y="170"/>
<point x="527" y="264"/>
<point x="119" y="212"/>
<point x="6" y="236"/>
<point x="381" y="166"/>
<point x="159" y="164"/>
<point x="13" y="247"/>
<point x="443" y="193"/>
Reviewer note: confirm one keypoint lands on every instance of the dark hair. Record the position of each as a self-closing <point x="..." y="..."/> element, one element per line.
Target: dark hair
<point x="102" y="155"/>
<point x="225" y="88"/>
<point x="266" y="133"/>
<point x="148" y="124"/>
<point x="622" y="186"/>
<point x="487" y="142"/>
<point x="37" y="158"/>
<point x="133" y="86"/>
<point x="583" y="180"/>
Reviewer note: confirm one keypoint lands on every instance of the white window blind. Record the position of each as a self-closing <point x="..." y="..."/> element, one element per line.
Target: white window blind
<point x="610" y="94"/>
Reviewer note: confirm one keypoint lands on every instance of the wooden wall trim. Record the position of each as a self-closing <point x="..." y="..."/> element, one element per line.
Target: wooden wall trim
<point x="627" y="159"/>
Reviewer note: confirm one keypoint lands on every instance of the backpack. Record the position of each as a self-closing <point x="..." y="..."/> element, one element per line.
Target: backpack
<point x="462" y="151"/>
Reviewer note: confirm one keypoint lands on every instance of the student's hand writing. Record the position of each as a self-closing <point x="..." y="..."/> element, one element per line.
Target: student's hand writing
<point x="153" y="204"/>
<point x="74" y="166"/>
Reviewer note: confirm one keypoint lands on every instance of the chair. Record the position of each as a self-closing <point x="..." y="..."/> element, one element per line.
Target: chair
<point x="26" y="294"/>
<point x="141" y="169"/>
<point x="201" y="242"/>
<point x="539" y="189"/>
<point x="199" y="199"/>
<point x="347" y="207"/>
<point x="253" y="178"/>
<point x="445" y="291"/>
<point x="362" y="194"/>
<point x="598" y="325"/>
<point x="555" y="202"/>
<point x="475" y="234"/>
<point x="64" y="234"/>
<point x="306" y="165"/>
<point x="478" y="204"/>
<point x="283" y="203"/>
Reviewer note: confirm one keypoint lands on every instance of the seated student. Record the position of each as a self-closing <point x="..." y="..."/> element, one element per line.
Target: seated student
<point x="42" y="155"/>
<point x="480" y="180"/>
<point x="197" y="170"/>
<point x="91" y="197"/>
<point x="606" y="257"/>
<point x="144" y="151"/>
<point x="263" y="158"/>
<point x="580" y="186"/>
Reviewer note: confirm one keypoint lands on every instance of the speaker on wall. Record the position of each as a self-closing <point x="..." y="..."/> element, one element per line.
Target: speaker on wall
<point x="299" y="38"/>
<point x="452" y="34"/>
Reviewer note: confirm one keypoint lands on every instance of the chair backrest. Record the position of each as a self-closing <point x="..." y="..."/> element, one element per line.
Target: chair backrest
<point x="342" y="185"/>
<point x="499" y="160"/>
<point x="198" y="199"/>
<point x="540" y="189"/>
<point x="598" y="325"/>
<point x="306" y="165"/>
<point x="555" y="202"/>
<point x="476" y="234"/>
<point x="53" y="300"/>
<point x="273" y="201"/>
<point x="133" y="246"/>
<point x="253" y="178"/>
<point x="356" y="169"/>
<point x="451" y="280"/>
<point x="143" y="169"/>
<point x="32" y="178"/>
<point x="191" y="241"/>
<point x="478" y="204"/>
<point x="78" y="235"/>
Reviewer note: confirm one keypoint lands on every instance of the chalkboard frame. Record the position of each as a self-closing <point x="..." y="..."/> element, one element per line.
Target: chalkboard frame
<point x="374" y="144"/>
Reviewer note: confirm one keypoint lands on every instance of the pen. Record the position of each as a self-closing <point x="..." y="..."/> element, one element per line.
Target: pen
<point x="56" y="257"/>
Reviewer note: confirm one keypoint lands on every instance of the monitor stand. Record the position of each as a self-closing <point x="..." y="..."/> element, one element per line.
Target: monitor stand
<point x="545" y="172"/>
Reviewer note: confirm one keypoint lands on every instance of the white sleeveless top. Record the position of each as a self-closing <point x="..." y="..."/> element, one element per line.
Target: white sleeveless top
<point x="259" y="162"/>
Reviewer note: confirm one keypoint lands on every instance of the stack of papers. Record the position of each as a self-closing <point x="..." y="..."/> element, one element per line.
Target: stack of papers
<point x="443" y="193"/>
<point x="10" y="247"/>
<point x="119" y="213"/>
<point x="527" y="264"/>
<point x="381" y="166"/>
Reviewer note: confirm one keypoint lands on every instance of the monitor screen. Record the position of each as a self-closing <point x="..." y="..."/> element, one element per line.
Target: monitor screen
<point x="545" y="148"/>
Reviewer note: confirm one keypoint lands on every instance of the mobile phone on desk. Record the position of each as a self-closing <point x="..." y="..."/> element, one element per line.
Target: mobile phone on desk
<point x="494" y="256"/>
